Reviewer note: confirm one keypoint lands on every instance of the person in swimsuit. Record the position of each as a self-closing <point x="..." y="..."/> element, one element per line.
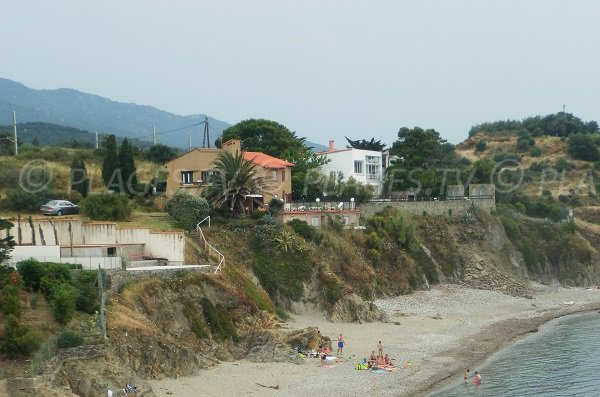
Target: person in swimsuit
<point x="380" y="348"/>
<point x="477" y="380"/>
<point x="466" y="375"/>
<point x="341" y="343"/>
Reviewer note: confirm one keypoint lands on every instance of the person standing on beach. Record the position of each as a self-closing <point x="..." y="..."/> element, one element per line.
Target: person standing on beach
<point x="467" y="375"/>
<point x="341" y="343"/>
<point x="380" y="348"/>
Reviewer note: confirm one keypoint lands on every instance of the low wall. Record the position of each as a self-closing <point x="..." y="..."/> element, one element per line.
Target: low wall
<point x="117" y="279"/>
<point x="445" y="207"/>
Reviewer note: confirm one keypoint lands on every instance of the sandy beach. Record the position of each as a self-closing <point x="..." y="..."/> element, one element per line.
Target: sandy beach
<point x="441" y="331"/>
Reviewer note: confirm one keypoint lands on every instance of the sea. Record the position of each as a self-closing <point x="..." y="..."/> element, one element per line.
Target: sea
<point x="562" y="359"/>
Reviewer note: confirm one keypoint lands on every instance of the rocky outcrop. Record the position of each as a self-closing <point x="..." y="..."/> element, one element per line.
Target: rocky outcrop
<point x="353" y="308"/>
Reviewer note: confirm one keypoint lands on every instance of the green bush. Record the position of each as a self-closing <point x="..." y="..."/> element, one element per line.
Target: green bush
<point x="68" y="339"/>
<point x="107" y="207"/>
<point x="10" y="302"/>
<point x="583" y="147"/>
<point x="562" y="165"/>
<point x="480" y="145"/>
<point x="187" y="210"/>
<point x="32" y="271"/>
<point x="87" y="291"/>
<point x="218" y="320"/>
<point x="535" y="152"/>
<point x="56" y="274"/>
<point x="20" y="200"/>
<point x="17" y="340"/>
<point x="304" y="230"/>
<point x="63" y="303"/>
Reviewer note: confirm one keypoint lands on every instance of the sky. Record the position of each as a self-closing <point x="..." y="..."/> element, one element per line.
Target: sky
<point x="324" y="68"/>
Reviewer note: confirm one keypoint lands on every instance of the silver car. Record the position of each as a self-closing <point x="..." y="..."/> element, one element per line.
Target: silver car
<point x="59" y="207"/>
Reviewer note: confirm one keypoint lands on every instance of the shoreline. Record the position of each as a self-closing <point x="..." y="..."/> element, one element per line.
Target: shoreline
<point x="525" y="329"/>
<point x="442" y="331"/>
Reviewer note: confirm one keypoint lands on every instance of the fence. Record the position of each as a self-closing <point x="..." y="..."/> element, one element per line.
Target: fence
<point x="320" y="206"/>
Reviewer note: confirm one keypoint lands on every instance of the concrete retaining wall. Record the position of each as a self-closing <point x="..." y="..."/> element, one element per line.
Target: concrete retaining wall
<point x="446" y="207"/>
<point x="117" y="279"/>
<point x="68" y="232"/>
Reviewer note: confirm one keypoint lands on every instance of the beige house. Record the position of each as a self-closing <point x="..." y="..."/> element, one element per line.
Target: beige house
<point x="192" y="171"/>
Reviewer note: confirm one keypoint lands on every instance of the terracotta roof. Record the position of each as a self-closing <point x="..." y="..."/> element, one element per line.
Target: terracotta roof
<point x="266" y="161"/>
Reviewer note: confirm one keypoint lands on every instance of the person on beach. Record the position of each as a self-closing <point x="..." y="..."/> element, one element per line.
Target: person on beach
<point x="387" y="360"/>
<point x="341" y="343"/>
<point x="380" y="348"/>
<point x="373" y="359"/>
<point x="477" y="379"/>
<point x="466" y="375"/>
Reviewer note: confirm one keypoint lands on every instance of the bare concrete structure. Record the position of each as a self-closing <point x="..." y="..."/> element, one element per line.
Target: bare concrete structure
<point x="97" y="239"/>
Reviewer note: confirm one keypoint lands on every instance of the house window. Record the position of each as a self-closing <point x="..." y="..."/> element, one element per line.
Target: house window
<point x="372" y="167"/>
<point x="283" y="175"/>
<point x="111" y="251"/>
<point x="205" y="176"/>
<point x="346" y="220"/>
<point x="274" y="175"/>
<point x="187" y="177"/>
<point x="358" y="167"/>
<point x="314" y="221"/>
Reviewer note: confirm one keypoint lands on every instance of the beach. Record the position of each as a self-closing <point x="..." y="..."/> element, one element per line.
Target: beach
<point x="437" y="333"/>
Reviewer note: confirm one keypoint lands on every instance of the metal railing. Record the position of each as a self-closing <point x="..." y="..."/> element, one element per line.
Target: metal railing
<point x="211" y="248"/>
<point x="320" y="206"/>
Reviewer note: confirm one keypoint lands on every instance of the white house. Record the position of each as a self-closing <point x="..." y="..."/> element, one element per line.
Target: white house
<point x="365" y="166"/>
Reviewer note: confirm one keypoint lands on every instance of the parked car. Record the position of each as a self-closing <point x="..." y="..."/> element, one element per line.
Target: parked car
<point x="59" y="207"/>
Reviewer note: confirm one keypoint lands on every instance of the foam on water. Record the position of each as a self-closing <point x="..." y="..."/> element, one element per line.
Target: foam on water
<point x="563" y="359"/>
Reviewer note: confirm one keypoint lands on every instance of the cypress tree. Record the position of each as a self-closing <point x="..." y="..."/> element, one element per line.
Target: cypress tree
<point x="127" y="165"/>
<point x="109" y="164"/>
<point x="79" y="177"/>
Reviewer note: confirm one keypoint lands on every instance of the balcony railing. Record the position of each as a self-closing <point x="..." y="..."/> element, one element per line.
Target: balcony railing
<point x="325" y="206"/>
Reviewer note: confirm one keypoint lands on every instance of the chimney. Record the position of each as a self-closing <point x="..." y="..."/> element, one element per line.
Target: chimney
<point x="331" y="145"/>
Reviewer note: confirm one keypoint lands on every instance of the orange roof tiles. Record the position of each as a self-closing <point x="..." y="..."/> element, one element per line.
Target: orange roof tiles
<point x="266" y="161"/>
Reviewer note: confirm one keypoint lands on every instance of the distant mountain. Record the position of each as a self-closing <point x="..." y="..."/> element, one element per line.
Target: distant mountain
<point x="316" y="147"/>
<point x="95" y="113"/>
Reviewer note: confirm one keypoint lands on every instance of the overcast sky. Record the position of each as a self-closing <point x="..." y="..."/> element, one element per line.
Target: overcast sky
<point x="322" y="68"/>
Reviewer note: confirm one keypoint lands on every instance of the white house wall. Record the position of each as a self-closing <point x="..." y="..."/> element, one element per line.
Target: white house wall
<point x="343" y="161"/>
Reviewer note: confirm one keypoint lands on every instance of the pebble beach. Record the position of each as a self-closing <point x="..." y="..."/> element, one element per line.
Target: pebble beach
<point x="432" y="335"/>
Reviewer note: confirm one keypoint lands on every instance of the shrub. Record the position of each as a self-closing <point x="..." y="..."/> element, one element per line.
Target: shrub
<point x="187" y="209"/>
<point x="87" y="291"/>
<point x="32" y="272"/>
<point x="275" y="205"/>
<point x="68" y="339"/>
<point x="535" y="152"/>
<point x="304" y="230"/>
<point x="63" y="303"/>
<point x="583" y="147"/>
<point x="10" y="302"/>
<point x="562" y="165"/>
<point x="107" y="207"/>
<point x="55" y="275"/>
<point x="20" y="200"/>
<point x="18" y="340"/>
<point x="218" y="320"/>
<point x="480" y="145"/>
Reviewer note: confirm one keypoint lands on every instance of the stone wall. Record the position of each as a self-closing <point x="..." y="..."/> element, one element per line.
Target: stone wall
<point x="117" y="279"/>
<point x="444" y="207"/>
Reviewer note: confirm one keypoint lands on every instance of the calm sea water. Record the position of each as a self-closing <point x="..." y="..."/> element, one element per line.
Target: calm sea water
<point x="563" y="359"/>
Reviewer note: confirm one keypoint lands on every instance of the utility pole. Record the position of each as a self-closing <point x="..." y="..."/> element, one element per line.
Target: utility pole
<point x="96" y="140"/>
<point x="189" y="142"/>
<point x="15" y="132"/>
<point x="154" y="135"/>
<point x="206" y="139"/>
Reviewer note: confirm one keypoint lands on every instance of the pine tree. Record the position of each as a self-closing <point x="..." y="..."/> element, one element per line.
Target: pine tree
<point x="79" y="178"/>
<point x="127" y="165"/>
<point x="109" y="164"/>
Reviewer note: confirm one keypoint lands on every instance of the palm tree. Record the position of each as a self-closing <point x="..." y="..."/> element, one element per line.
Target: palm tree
<point x="232" y="181"/>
